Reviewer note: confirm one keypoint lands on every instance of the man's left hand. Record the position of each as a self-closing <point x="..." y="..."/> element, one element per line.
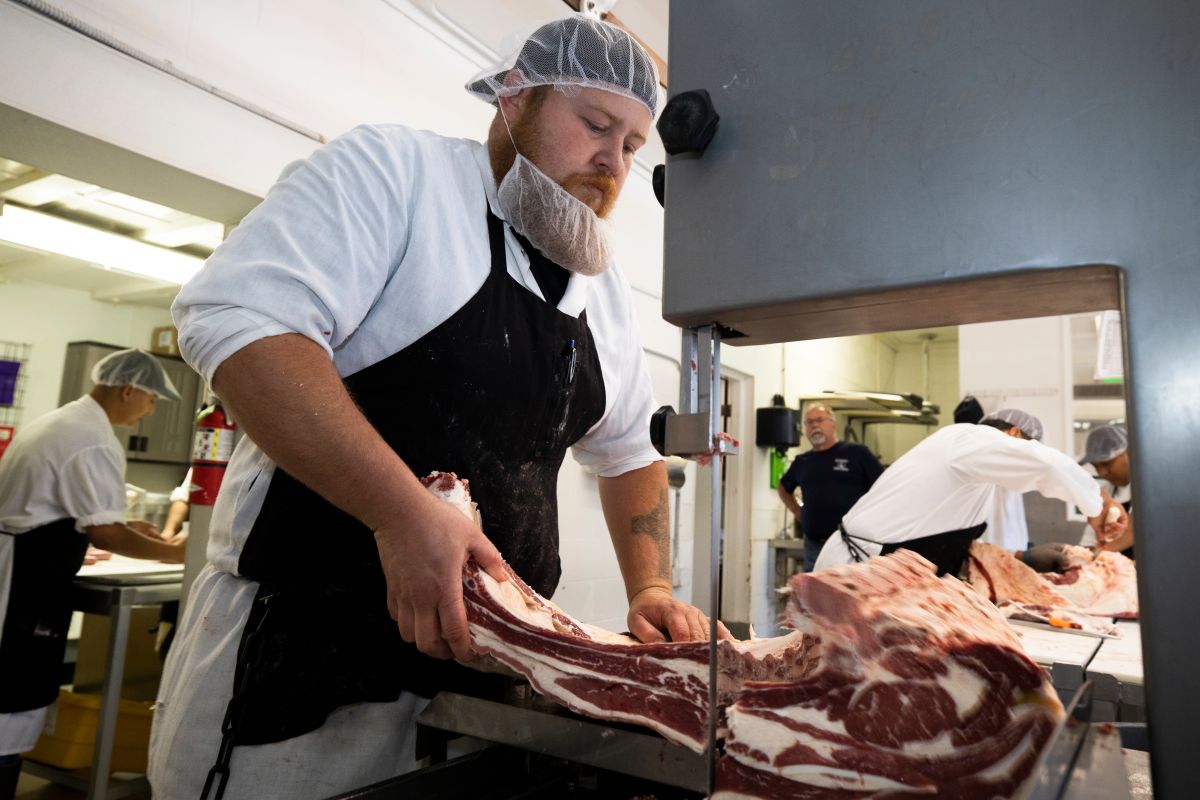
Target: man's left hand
<point x="656" y="616"/>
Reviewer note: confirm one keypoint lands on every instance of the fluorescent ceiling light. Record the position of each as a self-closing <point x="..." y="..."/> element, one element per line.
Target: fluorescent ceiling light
<point x="50" y="234"/>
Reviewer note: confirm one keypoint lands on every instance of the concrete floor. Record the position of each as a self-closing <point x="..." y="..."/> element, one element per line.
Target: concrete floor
<point x="31" y="787"/>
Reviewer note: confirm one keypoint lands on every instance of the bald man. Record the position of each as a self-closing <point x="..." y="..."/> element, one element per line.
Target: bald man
<point x="832" y="476"/>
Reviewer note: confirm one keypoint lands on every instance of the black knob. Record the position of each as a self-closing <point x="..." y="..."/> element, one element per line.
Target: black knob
<point x="658" y="179"/>
<point x="658" y="428"/>
<point x="688" y="123"/>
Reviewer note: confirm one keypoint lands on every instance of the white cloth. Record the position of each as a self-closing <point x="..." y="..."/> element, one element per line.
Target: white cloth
<point x="364" y="248"/>
<point x="183" y="491"/>
<point x="1007" y="527"/>
<point x="19" y="731"/>
<point x="358" y="744"/>
<point x="66" y="464"/>
<point x="951" y="481"/>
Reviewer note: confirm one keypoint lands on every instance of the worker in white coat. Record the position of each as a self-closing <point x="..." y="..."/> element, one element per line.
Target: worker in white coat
<point x="403" y="302"/>
<point x="1007" y="527"/>
<point x="936" y="498"/>
<point x="62" y="486"/>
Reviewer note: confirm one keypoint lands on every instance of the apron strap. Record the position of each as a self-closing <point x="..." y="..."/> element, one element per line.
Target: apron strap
<point x="857" y="551"/>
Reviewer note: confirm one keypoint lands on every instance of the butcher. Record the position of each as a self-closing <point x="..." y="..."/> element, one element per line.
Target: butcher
<point x="62" y="486"/>
<point x="937" y="498"/>
<point x="1107" y="450"/>
<point x="403" y="302"/>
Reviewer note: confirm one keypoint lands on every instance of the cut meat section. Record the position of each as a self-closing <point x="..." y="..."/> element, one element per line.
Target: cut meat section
<point x="1102" y="585"/>
<point x="663" y="686"/>
<point x="922" y="689"/>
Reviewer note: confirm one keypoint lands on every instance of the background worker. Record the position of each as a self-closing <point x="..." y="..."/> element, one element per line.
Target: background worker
<point x="1107" y="450"/>
<point x="936" y="498"/>
<point x="62" y="486"/>
<point x="832" y="476"/>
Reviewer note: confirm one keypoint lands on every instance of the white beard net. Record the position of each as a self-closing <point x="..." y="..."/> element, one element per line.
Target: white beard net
<point x="557" y="223"/>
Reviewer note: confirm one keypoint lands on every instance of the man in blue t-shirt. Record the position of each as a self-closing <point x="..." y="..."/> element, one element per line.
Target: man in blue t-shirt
<point x="831" y="476"/>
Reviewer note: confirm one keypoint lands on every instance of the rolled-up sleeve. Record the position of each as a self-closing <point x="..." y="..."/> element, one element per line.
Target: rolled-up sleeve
<point x="311" y="259"/>
<point x="92" y="487"/>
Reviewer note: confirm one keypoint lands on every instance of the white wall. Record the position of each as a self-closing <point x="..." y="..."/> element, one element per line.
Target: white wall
<point x="935" y="376"/>
<point x="48" y="317"/>
<point x="1022" y="364"/>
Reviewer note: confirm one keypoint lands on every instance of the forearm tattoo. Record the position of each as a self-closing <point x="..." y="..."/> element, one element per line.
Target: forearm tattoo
<point x="654" y="525"/>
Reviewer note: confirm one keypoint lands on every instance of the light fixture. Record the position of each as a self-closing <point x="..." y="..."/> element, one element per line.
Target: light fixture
<point x="111" y="251"/>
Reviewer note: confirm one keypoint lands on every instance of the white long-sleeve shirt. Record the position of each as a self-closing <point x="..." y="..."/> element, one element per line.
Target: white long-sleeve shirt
<point x="951" y="481"/>
<point x="365" y="247"/>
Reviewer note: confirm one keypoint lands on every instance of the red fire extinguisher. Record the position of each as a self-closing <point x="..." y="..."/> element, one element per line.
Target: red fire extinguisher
<point x="211" y="448"/>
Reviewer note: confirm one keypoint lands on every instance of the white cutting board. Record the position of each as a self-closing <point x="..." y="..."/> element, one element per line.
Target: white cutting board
<point x="1048" y="647"/>
<point x="1121" y="658"/>
<point x="123" y="565"/>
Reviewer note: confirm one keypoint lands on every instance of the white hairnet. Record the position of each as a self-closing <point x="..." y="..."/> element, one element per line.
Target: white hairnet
<point x="137" y="369"/>
<point x="1027" y="423"/>
<point x="577" y="50"/>
<point x="1104" y="444"/>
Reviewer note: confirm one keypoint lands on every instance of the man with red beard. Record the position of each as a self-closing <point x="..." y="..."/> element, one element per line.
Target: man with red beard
<point x="403" y="302"/>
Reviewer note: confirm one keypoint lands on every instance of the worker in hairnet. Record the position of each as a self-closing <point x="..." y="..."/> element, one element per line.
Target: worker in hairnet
<point x="936" y="498"/>
<point x="1107" y="450"/>
<point x="403" y="302"/>
<point x="62" y="485"/>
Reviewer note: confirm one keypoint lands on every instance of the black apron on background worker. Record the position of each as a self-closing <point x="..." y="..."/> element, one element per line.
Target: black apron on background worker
<point x="496" y="394"/>
<point x="38" y="614"/>
<point x="947" y="550"/>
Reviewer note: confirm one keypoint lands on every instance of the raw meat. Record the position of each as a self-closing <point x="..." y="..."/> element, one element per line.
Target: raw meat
<point x="895" y="683"/>
<point x="922" y="689"/>
<point x="605" y="675"/>
<point x="1103" y="585"/>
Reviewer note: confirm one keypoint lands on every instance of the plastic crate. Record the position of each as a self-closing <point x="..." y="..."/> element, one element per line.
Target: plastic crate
<point x="72" y="744"/>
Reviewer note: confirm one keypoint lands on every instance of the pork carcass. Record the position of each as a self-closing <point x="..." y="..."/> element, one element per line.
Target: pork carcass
<point x="922" y="689"/>
<point x="1103" y="585"/>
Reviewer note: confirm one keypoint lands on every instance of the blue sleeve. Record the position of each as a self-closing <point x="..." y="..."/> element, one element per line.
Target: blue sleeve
<point x="791" y="478"/>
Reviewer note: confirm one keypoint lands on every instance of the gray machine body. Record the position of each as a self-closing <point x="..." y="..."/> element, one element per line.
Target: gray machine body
<point x="893" y="165"/>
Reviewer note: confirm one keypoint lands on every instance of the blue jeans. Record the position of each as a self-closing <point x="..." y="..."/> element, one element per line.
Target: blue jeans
<point x="812" y="549"/>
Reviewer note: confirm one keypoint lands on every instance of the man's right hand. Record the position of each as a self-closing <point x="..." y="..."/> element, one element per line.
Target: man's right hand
<point x="423" y="559"/>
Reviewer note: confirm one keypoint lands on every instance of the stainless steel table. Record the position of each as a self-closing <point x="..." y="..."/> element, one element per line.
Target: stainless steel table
<point x="106" y="590"/>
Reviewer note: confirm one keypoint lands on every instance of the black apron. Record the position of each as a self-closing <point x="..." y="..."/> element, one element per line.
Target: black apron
<point x="38" y="615"/>
<point x="496" y="394"/>
<point x="947" y="550"/>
